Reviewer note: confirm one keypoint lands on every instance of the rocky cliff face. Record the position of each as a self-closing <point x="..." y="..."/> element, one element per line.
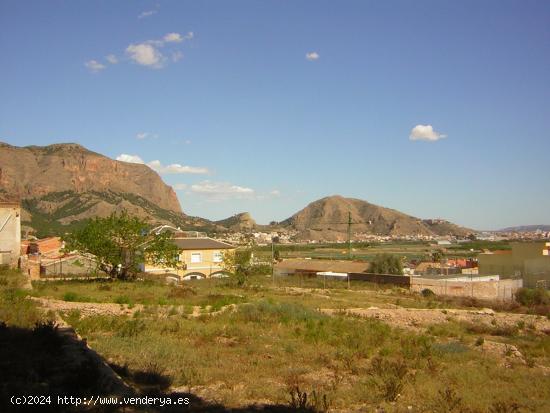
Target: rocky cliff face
<point x="238" y="222"/>
<point x="63" y="184"/>
<point x="34" y="171"/>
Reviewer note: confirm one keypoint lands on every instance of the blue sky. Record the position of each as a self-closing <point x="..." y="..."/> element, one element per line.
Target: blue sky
<point x="264" y="106"/>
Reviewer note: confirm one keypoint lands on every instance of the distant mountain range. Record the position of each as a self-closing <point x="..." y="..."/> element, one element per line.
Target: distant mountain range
<point x="526" y="228"/>
<point x="62" y="185"/>
<point x="327" y="219"/>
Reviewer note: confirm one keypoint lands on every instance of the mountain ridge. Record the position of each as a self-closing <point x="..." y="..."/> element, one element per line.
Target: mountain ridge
<point x="329" y="216"/>
<point x="63" y="184"/>
<point x="525" y="228"/>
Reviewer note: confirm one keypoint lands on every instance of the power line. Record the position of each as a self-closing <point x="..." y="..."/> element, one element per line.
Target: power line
<point x="349" y="223"/>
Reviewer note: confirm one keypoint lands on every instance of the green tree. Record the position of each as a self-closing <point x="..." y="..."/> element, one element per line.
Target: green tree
<point x="386" y="264"/>
<point x="437" y="256"/>
<point x="121" y="243"/>
<point x="237" y="263"/>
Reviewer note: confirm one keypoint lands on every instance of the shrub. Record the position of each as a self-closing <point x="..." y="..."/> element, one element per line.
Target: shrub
<point x="131" y="328"/>
<point x="389" y="376"/>
<point x="531" y="297"/>
<point x="268" y="311"/>
<point x="190" y="376"/>
<point x="70" y="296"/>
<point x="259" y="269"/>
<point x="447" y="401"/>
<point x="315" y="403"/>
<point x="46" y="335"/>
<point x="505" y="331"/>
<point x="504" y="407"/>
<point x="182" y="291"/>
<point x="16" y="310"/>
<point x="427" y="293"/>
<point x="152" y="375"/>
<point x="452" y="347"/>
<point x="386" y="264"/>
<point x="122" y="299"/>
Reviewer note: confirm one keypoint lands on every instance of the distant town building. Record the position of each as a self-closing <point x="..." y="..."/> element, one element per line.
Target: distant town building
<point x="527" y="260"/>
<point x="10" y="233"/>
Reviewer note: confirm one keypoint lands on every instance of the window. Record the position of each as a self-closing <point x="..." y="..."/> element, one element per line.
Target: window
<point x="196" y="257"/>
<point x="217" y="256"/>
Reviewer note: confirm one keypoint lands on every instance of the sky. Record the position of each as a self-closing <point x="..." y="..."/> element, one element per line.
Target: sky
<point x="439" y="109"/>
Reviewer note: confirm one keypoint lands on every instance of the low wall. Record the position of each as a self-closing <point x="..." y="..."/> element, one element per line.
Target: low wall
<point x="489" y="290"/>
<point x="400" y="280"/>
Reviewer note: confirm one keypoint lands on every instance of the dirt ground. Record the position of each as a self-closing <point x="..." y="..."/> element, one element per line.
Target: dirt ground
<point x="113" y="309"/>
<point x="419" y="319"/>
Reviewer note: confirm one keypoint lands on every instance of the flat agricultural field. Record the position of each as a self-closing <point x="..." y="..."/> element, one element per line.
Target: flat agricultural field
<point x="367" y="251"/>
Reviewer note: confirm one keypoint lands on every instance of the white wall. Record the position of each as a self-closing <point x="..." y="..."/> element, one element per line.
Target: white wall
<point x="10" y="235"/>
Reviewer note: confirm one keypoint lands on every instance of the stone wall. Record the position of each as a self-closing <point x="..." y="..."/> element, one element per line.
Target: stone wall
<point x="488" y="290"/>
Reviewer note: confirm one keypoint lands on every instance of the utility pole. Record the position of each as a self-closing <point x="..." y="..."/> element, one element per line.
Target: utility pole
<point x="349" y="235"/>
<point x="272" y="260"/>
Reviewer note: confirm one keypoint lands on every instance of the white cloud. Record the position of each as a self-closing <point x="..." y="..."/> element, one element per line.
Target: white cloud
<point x="425" y="133"/>
<point x="312" y="56"/>
<point x="146" y="13"/>
<point x="146" y="135"/>
<point x="173" y="38"/>
<point x="275" y="192"/>
<point x="176" y="168"/>
<point x="145" y="54"/>
<point x="112" y="59"/>
<point x="129" y="158"/>
<point x="179" y="187"/>
<point x="157" y="166"/>
<point x="219" y="191"/>
<point x="94" y="65"/>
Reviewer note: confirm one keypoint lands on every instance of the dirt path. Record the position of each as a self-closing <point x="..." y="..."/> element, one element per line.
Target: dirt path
<point x="418" y="319"/>
<point x="112" y="309"/>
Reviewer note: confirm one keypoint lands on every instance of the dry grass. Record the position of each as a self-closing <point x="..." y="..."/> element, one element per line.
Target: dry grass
<point x="282" y="352"/>
<point x="277" y="348"/>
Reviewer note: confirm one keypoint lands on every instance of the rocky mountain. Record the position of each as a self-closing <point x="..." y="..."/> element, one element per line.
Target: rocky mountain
<point x="238" y="222"/>
<point x="62" y="185"/>
<point x="326" y="219"/>
<point x="526" y="228"/>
